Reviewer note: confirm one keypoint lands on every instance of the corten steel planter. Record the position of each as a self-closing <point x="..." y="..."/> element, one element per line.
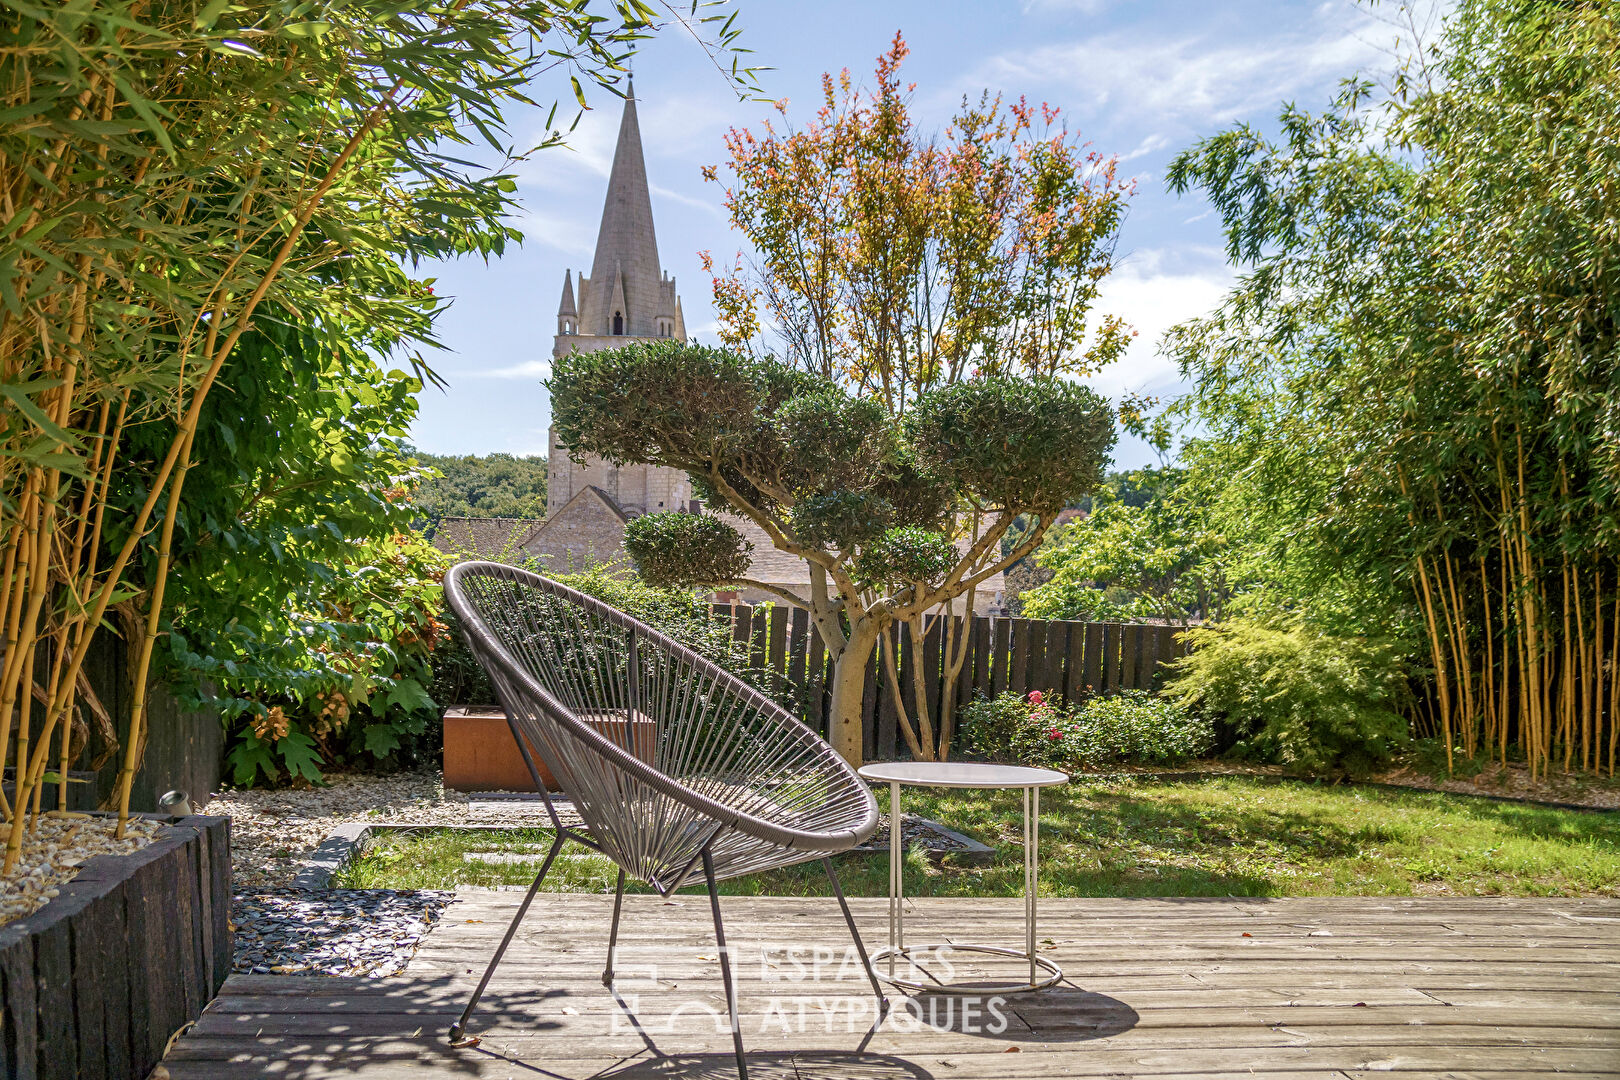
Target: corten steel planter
<point x="481" y="753"/>
<point x="94" y="984"/>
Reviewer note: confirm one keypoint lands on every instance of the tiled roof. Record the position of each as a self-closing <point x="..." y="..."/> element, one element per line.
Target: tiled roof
<point x="488" y="538"/>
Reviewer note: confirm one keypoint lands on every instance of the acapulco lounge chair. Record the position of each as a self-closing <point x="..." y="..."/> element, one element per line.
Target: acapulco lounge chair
<point x="675" y="767"/>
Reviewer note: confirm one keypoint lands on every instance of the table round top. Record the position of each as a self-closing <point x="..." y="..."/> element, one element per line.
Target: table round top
<point x="961" y="774"/>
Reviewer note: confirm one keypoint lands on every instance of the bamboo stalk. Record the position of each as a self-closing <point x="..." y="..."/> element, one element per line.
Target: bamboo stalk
<point x="1462" y="662"/>
<point x="1614" y="683"/>
<point x="1583" y="653"/>
<point x="1442" y="685"/>
<point x="1566" y="685"/>
<point x="1488" y="672"/>
<point x="154" y="616"/>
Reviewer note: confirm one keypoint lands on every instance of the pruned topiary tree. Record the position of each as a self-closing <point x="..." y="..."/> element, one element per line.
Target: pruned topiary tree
<point x="929" y="299"/>
<point x="896" y="517"/>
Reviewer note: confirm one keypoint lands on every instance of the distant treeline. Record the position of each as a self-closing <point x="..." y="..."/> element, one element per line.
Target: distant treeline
<point x="483" y="485"/>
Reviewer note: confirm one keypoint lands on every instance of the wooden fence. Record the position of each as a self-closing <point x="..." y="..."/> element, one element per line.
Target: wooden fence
<point x="1071" y="660"/>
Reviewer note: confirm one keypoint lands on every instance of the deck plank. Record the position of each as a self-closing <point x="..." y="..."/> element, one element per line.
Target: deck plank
<point x="1328" y="989"/>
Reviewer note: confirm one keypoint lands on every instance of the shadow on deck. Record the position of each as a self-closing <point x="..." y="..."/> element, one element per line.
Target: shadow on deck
<point x="1290" y="988"/>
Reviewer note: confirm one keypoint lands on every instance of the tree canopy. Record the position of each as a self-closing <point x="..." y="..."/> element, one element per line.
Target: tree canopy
<point x="892" y="261"/>
<point x="480" y="485"/>
<point x="1410" y="400"/>
<point x="1146" y="550"/>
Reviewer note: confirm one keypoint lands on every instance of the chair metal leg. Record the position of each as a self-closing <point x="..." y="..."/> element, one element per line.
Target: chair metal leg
<point x="860" y="946"/>
<point x="613" y="934"/>
<point x="725" y="964"/>
<point x="458" y="1030"/>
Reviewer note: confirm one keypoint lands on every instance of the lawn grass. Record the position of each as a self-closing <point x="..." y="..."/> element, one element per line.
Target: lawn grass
<point x="1231" y="836"/>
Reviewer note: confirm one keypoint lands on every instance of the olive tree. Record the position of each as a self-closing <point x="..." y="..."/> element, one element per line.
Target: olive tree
<point x="894" y="516"/>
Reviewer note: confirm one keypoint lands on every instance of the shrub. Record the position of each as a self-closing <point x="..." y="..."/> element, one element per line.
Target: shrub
<point x="674" y="548"/>
<point x="1133" y="727"/>
<point x="1296" y="695"/>
<point x="1137" y="727"/>
<point x="346" y="685"/>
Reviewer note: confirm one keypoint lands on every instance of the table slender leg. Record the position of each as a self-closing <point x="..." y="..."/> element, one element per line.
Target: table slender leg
<point x="1032" y="828"/>
<point x="897" y="931"/>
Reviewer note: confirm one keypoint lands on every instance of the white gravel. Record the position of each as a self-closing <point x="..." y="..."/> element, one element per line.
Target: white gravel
<point x="54" y="851"/>
<point x="272" y="831"/>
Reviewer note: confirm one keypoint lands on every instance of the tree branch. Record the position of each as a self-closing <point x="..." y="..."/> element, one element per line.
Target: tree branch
<point x="774" y="590"/>
<point x="779" y="539"/>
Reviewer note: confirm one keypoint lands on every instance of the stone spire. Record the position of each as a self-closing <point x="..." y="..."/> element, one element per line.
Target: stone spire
<point x="626" y="262"/>
<point x="567" y="314"/>
<point x="567" y="305"/>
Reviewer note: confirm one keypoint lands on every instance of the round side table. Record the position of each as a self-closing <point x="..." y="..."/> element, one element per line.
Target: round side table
<point x="966" y="774"/>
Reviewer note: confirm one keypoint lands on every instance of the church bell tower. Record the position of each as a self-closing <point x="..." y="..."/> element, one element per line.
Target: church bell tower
<point x="626" y="297"/>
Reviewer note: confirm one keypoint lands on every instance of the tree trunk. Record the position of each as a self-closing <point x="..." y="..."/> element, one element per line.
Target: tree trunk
<point x="848" y="688"/>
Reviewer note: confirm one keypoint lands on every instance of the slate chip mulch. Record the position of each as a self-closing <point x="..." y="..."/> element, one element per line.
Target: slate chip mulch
<point x="354" y="932"/>
<point x="918" y="832"/>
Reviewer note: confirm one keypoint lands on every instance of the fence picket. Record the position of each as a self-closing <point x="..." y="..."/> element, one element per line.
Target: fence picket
<point x="1093" y="670"/>
<point x="1018" y="670"/>
<point x="1057" y="656"/>
<point x="776" y="648"/>
<point x="976" y="671"/>
<point x="869" y="709"/>
<point x="797" y="645"/>
<point x="933" y="673"/>
<point x="1074" y="660"/>
<point x="1000" y="656"/>
<point x="816" y="682"/>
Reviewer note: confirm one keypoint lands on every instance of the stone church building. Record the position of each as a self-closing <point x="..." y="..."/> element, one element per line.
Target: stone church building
<point x="626" y="297"/>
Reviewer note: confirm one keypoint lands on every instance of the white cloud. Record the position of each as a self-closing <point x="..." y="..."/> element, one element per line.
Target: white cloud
<point x="1082" y="7"/>
<point x="570" y="234"/>
<point x="1189" y="77"/>
<point x="685" y="126"/>
<point x="585" y="157"/>
<point x="1150" y="145"/>
<point x="1152" y="299"/>
<point x="707" y="205"/>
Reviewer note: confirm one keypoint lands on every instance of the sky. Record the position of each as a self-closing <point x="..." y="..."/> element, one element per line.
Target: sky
<point x="1140" y="79"/>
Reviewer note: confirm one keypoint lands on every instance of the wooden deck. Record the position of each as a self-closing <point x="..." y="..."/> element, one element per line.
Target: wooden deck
<point x="1289" y="988"/>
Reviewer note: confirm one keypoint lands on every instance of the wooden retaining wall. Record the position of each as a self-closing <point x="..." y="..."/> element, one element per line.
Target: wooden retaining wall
<point x="94" y="984"/>
<point x="1070" y="660"/>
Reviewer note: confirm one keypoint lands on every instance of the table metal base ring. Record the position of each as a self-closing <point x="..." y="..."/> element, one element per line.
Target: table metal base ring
<point x="1054" y="973"/>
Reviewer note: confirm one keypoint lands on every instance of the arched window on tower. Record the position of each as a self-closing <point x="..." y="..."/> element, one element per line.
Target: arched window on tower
<point x="618" y="322"/>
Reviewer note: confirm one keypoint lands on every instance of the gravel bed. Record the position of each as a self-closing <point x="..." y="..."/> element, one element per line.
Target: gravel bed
<point x="355" y="932"/>
<point x="53" y="852"/>
<point x="273" y="831"/>
<point x="918" y="832"/>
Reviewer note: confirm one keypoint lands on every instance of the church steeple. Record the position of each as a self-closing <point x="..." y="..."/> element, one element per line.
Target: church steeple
<point x="626" y="297"/>
<point x="626" y="246"/>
